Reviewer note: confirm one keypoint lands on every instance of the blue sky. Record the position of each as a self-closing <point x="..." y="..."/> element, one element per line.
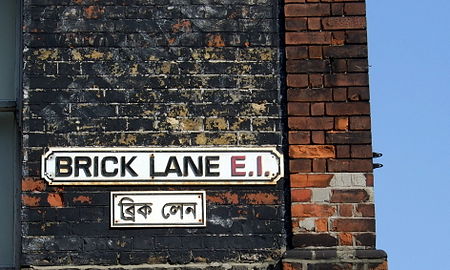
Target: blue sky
<point x="409" y="54"/>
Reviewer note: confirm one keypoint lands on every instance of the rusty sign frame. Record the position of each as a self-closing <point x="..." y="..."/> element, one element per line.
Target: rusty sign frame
<point x="250" y="179"/>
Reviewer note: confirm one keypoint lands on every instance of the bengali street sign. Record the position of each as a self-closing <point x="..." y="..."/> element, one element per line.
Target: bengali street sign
<point x="162" y="166"/>
<point x="158" y="209"/>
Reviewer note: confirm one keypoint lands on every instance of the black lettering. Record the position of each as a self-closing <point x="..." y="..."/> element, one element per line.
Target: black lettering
<point x="83" y="163"/>
<point x="95" y="166"/>
<point x="188" y="162"/>
<point x="209" y="166"/>
<point x="126" y="166"/>
<point x="173" y="166"/>
<point x="152" y="168"/>
<point x="103" y="166"/>
<point x="63" y="166"/>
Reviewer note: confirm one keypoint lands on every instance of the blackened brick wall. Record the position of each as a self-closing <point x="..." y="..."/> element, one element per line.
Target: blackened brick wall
<point x="149" y="73"/>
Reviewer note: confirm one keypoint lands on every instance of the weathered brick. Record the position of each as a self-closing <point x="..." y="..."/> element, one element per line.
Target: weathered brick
<point x="341" y="23"/>
<point x="306" y="38"/>
<point x="312" y="210"/>
<point x="300" y="165"/>
<point x="300" y="195"/>
<point x="299" y="137"/>
<point x="311" y="123"/>
<point x="297" y="10"/>
<point x="350" y="165"/>
<point x="348" y="108"/>
<point x="297" y="80"/>
<point x="360" y="123"/>
<point x="348" y="137"/>
<point x="310" y="180"/>
<point x="312" y="151"/>
<point x="354" y="225"/>
<point x="366" y="210"/>
<point x="350" y="79"/>
<point x="349" y="196"/>
<point x="310" y="94"/>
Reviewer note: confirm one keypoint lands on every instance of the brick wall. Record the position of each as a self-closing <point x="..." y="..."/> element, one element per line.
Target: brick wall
<point x="149" y="73"/>
<point x="203" y="73"/>
<point x="330" y="153"/>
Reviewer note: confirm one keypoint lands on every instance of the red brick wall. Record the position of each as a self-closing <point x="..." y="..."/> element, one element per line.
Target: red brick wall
<point x="329" y="124"/>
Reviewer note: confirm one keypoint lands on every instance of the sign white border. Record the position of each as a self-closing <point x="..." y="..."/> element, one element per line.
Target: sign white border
<point x="272" y="179"/>
<point x="159" y="200"/>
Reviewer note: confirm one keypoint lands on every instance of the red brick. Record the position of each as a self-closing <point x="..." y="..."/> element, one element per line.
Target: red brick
<point x="339" y="94"/>
<point x="350" y="79"/>
<point x="28" y="200"/>
<point x="297" y="10"/>
<point x="312" y="210"/>
<point x="345" y="239"/>
<point x="314" y="24"/>
<point x="300" y="165"/>
<point x="378" y="266"/>
<point x="318" y="137"/>
<point x="301" y="195"/>
<point x="358" y="93"/>
<point x="310" y="94"/>
<point x="33" y="184"/>
<point x="350" y="165"/>
<point x="354" y="225"/>
<point x="355" y="8"/>
<point x="308" y="66"/>
<point x="360" y="123"/>
<point x="55" y="200"/>
<point x="297" y="52"/>
<point x="361" y="151"/>
<point x="342" y="151"/>
<point x="316" y="80"/>
<point x="347" y="51"/>
<point x="299" y="137"/>
<point x="317" y="109"/>
<point x="321" y="225"/>
<point x="358" y="65"/>
<point x="369" y="179"/>
<point x="346" y="210"/>
<point x="341" y="123"/>
<point x="338" y="38"/>
<point x="297" y="108"/>
<point x="348" y="108"/>
<point x="312" y="151"/>
<point x="311" y="123"/>
<point x="366" y="210"/>
<point x="348" y="137"/>
<point x="297" y="80"/>
<point x="296" y="24"/>
<point x="356" y="37"/>
<point x="292" y="265"/>
<point x="319" y="165"/>
<point x="315" y="52"/>
<point x="339" y="65"/>
<point x="260" y="198"/>
<point x="342" y="23"/>
<point x="82" y="199"/>
<point x="223" y="198"/>
<point x="310" y="180"/>
<point x="305" y="38"/>
<point x="349" y="196"/>
<point x="337" y="9"/>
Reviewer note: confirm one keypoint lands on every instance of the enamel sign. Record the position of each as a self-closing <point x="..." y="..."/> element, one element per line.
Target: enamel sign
<point x="158" y="209"/>
<point x="162" y="166"/>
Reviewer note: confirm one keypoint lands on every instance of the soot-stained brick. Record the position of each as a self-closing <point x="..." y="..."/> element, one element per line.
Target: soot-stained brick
<point x="150" y="73"/>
